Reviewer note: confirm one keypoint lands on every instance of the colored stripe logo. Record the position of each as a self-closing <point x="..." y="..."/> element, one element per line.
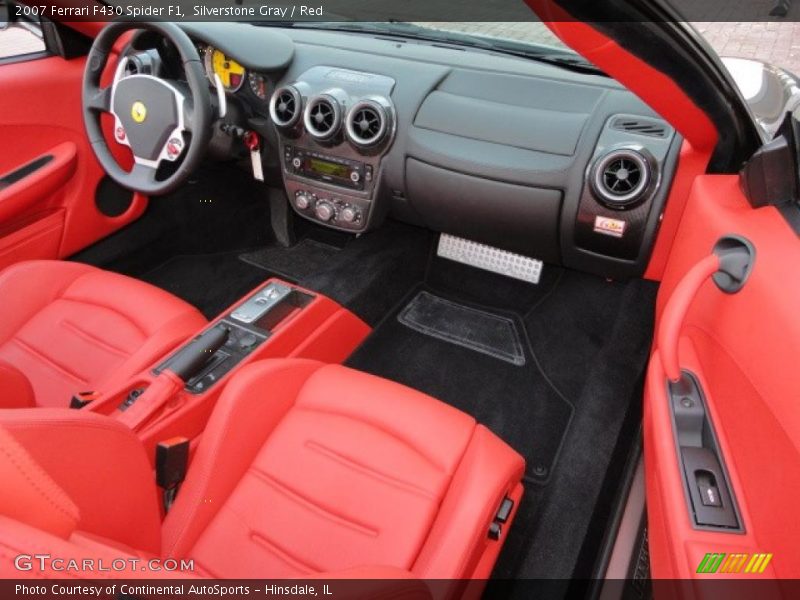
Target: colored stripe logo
<point x="719" y="562"/>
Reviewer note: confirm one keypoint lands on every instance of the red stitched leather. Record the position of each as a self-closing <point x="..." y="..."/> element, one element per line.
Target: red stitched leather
<point x="70" y="327"/>
<point x="30" y="495"/>
<point x="304" y="469"/>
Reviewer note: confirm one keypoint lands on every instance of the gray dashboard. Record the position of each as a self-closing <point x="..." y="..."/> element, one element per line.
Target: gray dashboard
<point x="495" y="148"/>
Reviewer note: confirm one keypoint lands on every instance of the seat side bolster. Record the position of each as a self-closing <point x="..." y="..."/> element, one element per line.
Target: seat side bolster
<point x="102" y="467"/>
<point x="489" y="470"/>
<point x="15" y="389"/>
<point x="249" y="409"/>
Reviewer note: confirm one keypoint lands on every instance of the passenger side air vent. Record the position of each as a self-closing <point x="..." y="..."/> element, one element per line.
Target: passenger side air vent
<point x="367" y="123"/>
<point x="285" y="106"/>
<point x="642" y="126"/>
<point x="621" y="178"/>
<point x="322" y="117"/>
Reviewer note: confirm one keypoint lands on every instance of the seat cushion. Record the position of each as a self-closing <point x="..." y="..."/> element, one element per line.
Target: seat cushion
<point x="329" y="469"/>
<point x="70" y="327"/>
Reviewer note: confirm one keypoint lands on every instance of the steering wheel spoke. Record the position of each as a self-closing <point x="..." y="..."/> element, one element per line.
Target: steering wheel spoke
<point x="188" y="113"/>
<point x="99" y="100"/>
<point x="143" y="176"/>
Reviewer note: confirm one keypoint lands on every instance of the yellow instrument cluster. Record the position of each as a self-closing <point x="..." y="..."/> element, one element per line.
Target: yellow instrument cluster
<point x="230" y="73"/>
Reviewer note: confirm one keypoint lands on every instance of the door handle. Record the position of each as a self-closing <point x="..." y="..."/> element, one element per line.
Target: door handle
<point x="729" y="265"/>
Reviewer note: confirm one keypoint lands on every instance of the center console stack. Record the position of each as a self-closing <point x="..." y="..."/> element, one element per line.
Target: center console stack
<point x="234" y="337"/>
<point x="335" y="126"/>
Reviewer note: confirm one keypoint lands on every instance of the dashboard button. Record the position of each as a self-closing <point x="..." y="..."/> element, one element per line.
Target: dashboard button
<point x="247" y="341"/>
<point x="349" y="214"/>
<point x="324" y="211"/>
<point x="302" y="201"/>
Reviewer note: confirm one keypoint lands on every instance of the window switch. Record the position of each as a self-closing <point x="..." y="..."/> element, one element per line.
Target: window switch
<point x="709" y="492"/>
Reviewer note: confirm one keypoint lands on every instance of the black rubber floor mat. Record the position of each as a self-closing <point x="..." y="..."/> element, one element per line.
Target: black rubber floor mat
<point x="297" y="263"/>
<point x="516" y="402"/>
<point x="478" y="330"/>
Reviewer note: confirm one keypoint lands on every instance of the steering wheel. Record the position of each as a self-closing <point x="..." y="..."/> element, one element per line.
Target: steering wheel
<point x="155" y="117"/>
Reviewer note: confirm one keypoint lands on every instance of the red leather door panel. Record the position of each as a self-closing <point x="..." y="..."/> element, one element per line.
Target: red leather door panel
<point x="743" y="350"/>
<point x="40" y="114"/>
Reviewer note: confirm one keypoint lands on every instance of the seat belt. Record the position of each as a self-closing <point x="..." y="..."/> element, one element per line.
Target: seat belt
<point x="172" y="460"/>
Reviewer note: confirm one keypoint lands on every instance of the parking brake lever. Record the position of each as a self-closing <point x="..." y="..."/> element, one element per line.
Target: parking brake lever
<point x="191" y="360"/>
<point x="185" y="365"/>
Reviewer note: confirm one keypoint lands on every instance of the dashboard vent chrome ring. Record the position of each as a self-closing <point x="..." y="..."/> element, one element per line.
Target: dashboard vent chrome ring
<point x="285" y="106"/>
<point x="367" y="123"/>
<point x="322" y="117"/>
<point x="621" y="177"/>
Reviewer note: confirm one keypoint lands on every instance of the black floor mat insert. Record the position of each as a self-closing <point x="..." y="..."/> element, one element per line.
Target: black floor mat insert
<point x="478" y="361"/>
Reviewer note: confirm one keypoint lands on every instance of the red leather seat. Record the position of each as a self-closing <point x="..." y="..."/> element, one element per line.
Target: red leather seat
<point x="303" y="469"/>
<point x="68" y="327"/>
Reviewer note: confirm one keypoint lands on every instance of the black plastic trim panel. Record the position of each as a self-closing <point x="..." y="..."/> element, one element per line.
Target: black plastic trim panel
<point x="25" y="170"/>
<point x="700" y="459"/>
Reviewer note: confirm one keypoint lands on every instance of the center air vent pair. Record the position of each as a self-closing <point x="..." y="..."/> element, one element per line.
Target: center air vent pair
<point x="623" y="177"/>
<point x="367" y="123"/>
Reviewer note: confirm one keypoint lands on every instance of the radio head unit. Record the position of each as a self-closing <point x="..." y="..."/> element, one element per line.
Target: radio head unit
<point x="333" y="170"/>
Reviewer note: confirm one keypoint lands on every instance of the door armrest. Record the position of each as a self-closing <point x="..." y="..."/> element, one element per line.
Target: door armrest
<point x="36" y="180"/>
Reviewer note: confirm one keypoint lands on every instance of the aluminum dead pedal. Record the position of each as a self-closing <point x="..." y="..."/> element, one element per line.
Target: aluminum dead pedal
<point x="489" y="258"/>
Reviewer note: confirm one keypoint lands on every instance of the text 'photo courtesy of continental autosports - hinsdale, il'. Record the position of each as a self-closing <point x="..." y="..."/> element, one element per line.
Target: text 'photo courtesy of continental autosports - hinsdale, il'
<point x="400" y="299"/>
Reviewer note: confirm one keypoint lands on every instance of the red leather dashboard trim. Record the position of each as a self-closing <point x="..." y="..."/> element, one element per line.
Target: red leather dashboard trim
<point x="691" y="164"/>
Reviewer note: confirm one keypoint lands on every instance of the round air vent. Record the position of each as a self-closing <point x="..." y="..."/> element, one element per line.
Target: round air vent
<point x="621" y="177"/>
<point x="367" y="123"/>
<point x="285" y="106"/>
<point x="322" y="117"/>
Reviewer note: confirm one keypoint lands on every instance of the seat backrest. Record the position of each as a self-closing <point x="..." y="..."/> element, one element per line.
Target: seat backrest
<point x="31" y="496"/>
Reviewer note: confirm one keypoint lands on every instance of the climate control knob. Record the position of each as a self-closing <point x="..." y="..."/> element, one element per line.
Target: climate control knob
<point x="324" y="211"/>
<point x="349" y="214"/>
<point x="302" y="201"/>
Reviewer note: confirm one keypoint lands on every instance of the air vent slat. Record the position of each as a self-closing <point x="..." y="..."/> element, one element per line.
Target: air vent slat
<point x="322" y="117"/>
<point x="640" y="126"/>
<point x="367" y="123"/>
<point x="285" y="106"/>
<point x="621" y="178"/>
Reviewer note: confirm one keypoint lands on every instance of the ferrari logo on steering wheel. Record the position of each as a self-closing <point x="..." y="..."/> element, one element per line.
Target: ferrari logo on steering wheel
<point x="139" y="112"/>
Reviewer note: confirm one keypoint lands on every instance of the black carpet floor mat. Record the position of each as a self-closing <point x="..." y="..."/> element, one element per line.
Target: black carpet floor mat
<point x="369" y="274"/>
<point x="586" y="342"/>
<point x="514" y="400"/>
<point x="297" y="263"/>
<point x="211" y="282"/>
